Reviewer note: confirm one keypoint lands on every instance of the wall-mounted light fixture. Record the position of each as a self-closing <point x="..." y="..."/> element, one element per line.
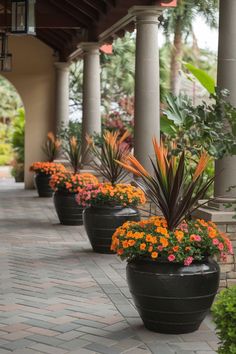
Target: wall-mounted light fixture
<point x="5" y="56"/>
<point x="23" y="17"/>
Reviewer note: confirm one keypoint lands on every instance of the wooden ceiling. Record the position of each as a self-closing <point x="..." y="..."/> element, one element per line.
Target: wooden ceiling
<point x="63" y="24"/>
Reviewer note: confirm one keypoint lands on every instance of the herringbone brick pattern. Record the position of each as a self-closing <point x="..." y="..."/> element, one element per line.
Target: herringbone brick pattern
<point x="57" y="296"/>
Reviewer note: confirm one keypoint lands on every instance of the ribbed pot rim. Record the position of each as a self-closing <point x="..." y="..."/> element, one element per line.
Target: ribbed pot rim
<point x="173" y="270"/>
<point x="106" y="206"/>
<point x="64" y="192"/>
<point x="43" y="174"/>
<point x="165" y="261"/>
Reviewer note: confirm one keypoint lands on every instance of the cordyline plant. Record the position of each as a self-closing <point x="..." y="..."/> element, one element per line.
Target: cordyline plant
<point x="168" y="187"/>
<point x="111" y="150"/>
<point x="73" y="152"/>
<point x="51" y="147"/>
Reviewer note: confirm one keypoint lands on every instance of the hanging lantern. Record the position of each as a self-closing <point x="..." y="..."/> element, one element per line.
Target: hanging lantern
<point x="6" y="64"/>
<point x="5" y="56"/>
<point x="23" y="16"/>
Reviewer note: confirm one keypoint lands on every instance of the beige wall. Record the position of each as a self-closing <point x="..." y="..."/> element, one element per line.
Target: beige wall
<point x="33" y="76"/>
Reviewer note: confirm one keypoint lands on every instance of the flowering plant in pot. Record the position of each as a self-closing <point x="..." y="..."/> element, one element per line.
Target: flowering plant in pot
<point x="43" y="172"/>
<point x="66" y="185"/>
<point x="171" y="272"/>
<point x="111" y="203"/>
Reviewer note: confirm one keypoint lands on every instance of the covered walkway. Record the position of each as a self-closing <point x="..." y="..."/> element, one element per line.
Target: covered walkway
<point x="57" y="296"/>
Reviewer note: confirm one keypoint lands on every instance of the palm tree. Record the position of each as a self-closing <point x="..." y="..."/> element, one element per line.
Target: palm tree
<point x="179" y="22"/>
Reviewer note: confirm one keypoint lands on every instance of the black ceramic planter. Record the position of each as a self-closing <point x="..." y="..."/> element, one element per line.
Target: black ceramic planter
<point x="172" y="298"/>
<point x="42" y="185"/>
<point x="68" y="211"/>
<point x="101" y="222"/>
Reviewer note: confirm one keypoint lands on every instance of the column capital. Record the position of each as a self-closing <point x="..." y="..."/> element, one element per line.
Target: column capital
<point x="146" y="13"/>
<point x="61" y="65"/>
<point x="90" y="47"/>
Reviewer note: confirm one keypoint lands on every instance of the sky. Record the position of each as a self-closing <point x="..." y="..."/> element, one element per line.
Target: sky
<point x="207" y="38"/>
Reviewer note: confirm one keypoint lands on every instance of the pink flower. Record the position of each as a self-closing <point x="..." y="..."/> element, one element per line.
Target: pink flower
<point x="215" y="241"/>
<point x="188" y="261"/>
<point x="229" y="246"/>
<point x="223" y="256"/>
<point x="183" y="226"/>
<point x="221" y="246"/>
<point x="160" y="248"/>
<point x="171" y="257"/>
<point x="198" y="238"/>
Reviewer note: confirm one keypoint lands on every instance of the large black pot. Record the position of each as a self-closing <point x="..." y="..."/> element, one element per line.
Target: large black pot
<point x="172" y="298"/>
<point x="42" y="185"/>
<point x="68" y="211"/>
<point x="101" y="222"/>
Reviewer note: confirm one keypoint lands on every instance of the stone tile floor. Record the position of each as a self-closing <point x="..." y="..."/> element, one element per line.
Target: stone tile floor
<point x="57" y="296"/>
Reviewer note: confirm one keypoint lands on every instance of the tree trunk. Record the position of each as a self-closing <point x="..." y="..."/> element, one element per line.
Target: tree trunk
<point x="176" y="58"/>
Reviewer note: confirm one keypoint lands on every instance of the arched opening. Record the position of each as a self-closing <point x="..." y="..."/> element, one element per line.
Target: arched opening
<point x="12" y="129"/>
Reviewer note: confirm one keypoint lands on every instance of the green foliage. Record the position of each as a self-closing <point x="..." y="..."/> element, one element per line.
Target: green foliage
<point x="206" y="80"/>
<point x="74" y="128"/>
<point x="209" y="126"/>
<point x="5" y="154"/>
<point x="18" y="136"/>
<point x="9" y="99"/>
<point x="224" y="315"/>
<point x="18" y="143"/>
<point x="5" y="144"/>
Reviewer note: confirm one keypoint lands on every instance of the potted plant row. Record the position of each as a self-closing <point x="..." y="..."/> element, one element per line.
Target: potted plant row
<point x="66" y="184"/>
<point x="171" y="271"/>
<point x="108" y="205"/>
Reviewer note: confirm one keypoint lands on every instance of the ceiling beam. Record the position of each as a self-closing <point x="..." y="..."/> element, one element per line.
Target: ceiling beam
<point x="98" y="5"/>
<point x="85" y="9"/>
<point x="83" y="20"/>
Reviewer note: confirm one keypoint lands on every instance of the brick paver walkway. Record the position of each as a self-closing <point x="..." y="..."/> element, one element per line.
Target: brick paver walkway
<point x="57" y="296"/>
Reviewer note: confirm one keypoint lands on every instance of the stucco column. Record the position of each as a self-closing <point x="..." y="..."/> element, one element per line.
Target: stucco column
<point x="226" y="78"/>
<point x="91" y="122"/>
<point x="62" y="94"/>
<point x="147" y="83"/>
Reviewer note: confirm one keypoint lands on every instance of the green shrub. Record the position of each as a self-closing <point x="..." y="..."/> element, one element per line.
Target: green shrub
<point x="5" y="154"/>
<point x="224" y="315"/>
<point x="18" y="136"/>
